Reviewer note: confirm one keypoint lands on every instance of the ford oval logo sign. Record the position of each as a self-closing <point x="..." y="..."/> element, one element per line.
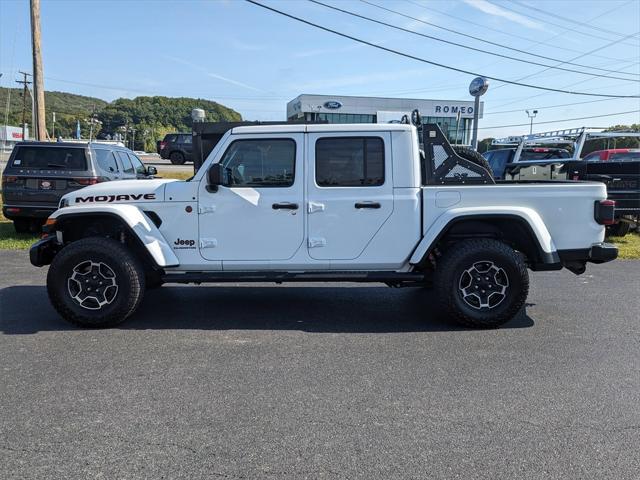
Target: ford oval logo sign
<point x="332" y="104"/>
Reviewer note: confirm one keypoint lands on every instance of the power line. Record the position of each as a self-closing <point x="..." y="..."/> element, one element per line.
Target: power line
<point x="570" y="20"/>
<point x="575" y="58"/>
<point x="502" y="32"/>
<point x="561" y="120"/>
<point x="551" y="106"/>
<point x="423" y="60"/>
<point x="480" y="50"/>
<point x="487" y="41"/>
<point x="565" y="27"/>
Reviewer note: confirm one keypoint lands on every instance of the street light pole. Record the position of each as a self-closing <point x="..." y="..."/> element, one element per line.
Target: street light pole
<point x="477" y="88"/>
<point x="531" y="114"/>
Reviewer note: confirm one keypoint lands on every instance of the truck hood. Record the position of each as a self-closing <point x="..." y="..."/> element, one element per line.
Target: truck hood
<point x="119" y="191"/>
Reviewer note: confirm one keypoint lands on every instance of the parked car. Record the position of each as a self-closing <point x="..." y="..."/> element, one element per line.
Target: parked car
<point x="38" y="174"/>
<point x="619" y="170"/>
<point x="503" y="165"/>
<point x="177" y="147"/>
<point x="336" y="203"/>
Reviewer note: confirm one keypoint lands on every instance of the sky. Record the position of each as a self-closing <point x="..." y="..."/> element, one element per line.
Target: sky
<point x="255" y="61"/>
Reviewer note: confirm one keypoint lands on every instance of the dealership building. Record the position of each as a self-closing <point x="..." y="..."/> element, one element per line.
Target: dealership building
<point x="450" y="115"/>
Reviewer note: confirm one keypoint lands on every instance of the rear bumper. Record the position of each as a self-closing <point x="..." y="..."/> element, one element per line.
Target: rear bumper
<point x="42" y="252"/>
<point x="598" y="253"/>
<point x="27" y="211"/>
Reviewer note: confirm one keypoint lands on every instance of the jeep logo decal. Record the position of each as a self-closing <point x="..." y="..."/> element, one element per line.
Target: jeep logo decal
<point x="116" y="198"/>
<point x="184" y="244"/>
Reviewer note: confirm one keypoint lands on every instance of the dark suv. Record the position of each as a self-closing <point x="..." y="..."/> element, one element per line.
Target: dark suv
<point x="38" y="174"/>
<point x="177" y="147"/>
<point x="525" y="168"/>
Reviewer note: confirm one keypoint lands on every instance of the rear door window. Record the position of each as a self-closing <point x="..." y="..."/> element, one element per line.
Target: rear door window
<point x="185" y="139"/>
<point x="126" y="163"/>
<point x="106" y="160"/>
<point x="350" y="162"/>
<point x="170" y="138"/>
<point x="49" y="158"/>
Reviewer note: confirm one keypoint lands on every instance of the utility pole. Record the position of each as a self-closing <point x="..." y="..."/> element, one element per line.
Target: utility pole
<point x="24" y="83"/>
<point x="39" y="122"/>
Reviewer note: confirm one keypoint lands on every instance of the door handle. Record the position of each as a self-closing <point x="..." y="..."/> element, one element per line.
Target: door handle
<point x="285" y="206"/>
<point x="367" y="205"/>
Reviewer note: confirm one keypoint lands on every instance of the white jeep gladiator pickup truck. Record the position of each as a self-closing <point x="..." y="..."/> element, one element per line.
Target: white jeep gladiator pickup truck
<point x="339" y="203"/>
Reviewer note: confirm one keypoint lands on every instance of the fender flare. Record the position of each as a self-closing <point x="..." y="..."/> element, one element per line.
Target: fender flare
<point x="138" y="224"/>
<point x="546" y="248"/>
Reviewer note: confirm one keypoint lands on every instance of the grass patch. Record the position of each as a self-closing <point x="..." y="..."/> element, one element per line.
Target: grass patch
<point x="179" y="175"/>
<point x="10" y="240"/>
<point x="628" y="246"/>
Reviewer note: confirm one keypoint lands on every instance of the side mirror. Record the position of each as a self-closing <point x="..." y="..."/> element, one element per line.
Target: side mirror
<point x="217" y="175"/>
<point x="152" y="170"/>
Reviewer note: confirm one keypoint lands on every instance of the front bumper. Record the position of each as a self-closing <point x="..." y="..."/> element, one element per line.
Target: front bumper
<point x="42" y="252"/>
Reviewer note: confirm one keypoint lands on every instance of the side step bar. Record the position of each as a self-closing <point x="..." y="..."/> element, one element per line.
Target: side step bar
<point x="279" y="277"/>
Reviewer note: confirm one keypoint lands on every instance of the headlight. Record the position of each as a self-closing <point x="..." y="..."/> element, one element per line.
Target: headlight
<point x="64" y="202"/>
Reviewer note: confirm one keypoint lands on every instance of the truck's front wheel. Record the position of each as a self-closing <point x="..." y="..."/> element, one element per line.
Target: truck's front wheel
<point x="95" y="282"/>
<point x="482" y="282"/>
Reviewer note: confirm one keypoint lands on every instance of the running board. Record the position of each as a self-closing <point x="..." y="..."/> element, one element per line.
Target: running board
<point x="279" y="277"/>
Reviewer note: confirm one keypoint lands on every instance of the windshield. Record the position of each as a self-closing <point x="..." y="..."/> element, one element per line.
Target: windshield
<point x="49" y="158"/>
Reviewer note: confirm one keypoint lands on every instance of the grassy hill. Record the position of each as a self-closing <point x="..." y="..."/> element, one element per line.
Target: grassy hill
<point x="151" y="117"/>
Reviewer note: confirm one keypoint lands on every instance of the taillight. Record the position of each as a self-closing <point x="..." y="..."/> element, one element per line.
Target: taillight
<point x="162" y="145"/>
<point x="86" y="180"/>
<point x="604" y="212"/>
<point x="9" y="179"/>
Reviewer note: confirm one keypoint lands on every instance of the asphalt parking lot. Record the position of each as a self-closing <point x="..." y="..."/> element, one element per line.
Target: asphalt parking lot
<point x="316" y="381"/>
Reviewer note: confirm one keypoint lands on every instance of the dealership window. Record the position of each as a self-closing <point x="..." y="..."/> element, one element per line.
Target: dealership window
<point x="261" y="163"/>
<point x="343" y="117"/>
<point x="350" y="162"/>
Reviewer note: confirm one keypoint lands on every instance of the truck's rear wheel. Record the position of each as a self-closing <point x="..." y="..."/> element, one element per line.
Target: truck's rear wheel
<point x="619" y="229"/>
<point x="482" y="282"/>
<point x="95" y="282"/>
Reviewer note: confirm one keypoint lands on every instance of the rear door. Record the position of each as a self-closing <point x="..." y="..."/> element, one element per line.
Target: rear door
<point x="186" y="144"/>
<point x="350" y="192"/>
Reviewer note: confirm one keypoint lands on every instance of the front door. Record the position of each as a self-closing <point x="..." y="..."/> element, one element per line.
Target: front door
<point x="350" y="192"/>
<point x="259" y="216"/>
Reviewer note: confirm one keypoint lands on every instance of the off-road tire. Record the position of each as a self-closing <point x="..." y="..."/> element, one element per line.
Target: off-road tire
<point x="620" y="229"/>
<point x="177" y="158"/>
<point x="129" y="277"/>
<point x="473" y="156"/>
<point x="452" y="271"/>
<point x="22" y="225"/>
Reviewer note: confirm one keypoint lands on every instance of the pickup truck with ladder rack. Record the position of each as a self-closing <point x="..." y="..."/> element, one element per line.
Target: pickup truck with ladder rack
<point x="335" y="203"/>
<point x="527" y="160"/>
